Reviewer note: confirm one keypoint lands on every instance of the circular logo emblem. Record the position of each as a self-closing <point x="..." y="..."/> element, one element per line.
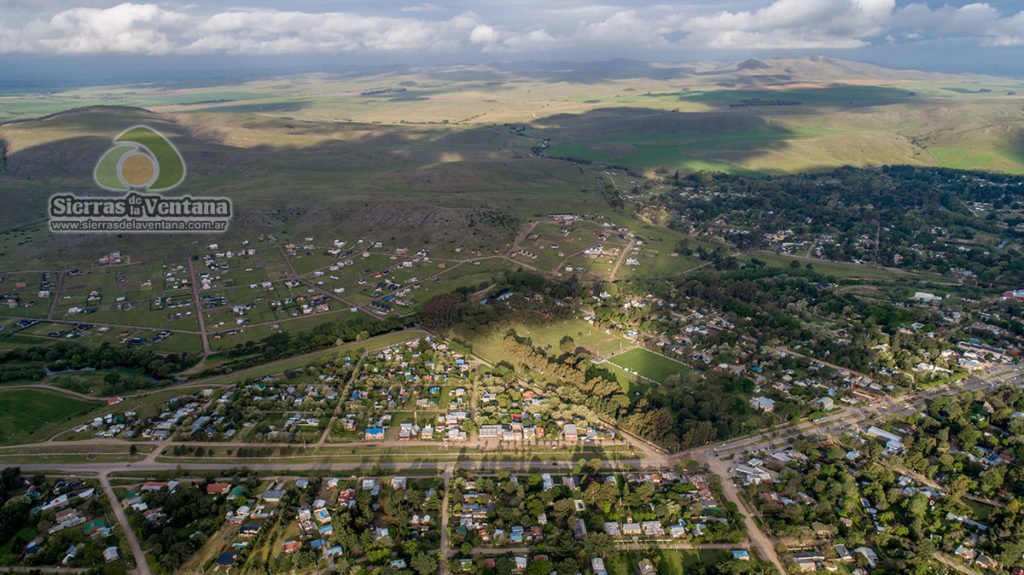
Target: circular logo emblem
<point x="141" y="159"/>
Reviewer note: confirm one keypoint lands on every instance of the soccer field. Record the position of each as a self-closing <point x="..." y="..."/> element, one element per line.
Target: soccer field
<point x="648" y="365"/>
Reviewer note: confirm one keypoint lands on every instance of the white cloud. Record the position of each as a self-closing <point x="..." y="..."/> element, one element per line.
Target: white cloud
<point x="131" y="28"/>
<point x="425" y="7"/>
<point x="483" y="34"/>
<point x="511" y="27"/>
<point x="802" y="24"/>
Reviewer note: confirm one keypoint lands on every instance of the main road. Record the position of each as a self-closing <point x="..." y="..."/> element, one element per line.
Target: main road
<point x="717" y="457"/>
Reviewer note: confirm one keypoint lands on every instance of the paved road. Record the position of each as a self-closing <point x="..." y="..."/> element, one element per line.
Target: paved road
<point x="716" y="457"/>
<point x="4" y="569"/>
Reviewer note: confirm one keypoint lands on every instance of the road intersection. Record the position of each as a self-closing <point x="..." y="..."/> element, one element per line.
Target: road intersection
<point x="718" y="458"/>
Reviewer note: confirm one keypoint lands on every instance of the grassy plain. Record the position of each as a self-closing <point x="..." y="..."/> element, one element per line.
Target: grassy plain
<point x="34" y="415"/>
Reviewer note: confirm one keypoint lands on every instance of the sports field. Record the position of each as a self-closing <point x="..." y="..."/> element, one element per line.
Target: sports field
<point x="648" y="365"/>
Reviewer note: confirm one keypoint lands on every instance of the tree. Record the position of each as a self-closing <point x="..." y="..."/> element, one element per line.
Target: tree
<point x="424" y="564"/>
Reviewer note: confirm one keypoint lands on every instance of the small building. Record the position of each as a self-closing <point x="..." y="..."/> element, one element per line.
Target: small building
<point x="925" y="297"/>
<point x="273" y="495"/>
<point x="218" y="488"/>
<point x="893" y="442"/>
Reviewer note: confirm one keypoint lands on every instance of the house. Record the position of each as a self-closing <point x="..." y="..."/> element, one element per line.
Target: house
<point x="826" y="403"/>
<point x="226" y="559"/>
<point x="869" y="555"/>
<point x="741" y="554"/>
<point x="291" y="546"/>
<point x="1017" y="295"/>
<point x="569" y="432"/>
<point x="751" y="475"/>
<point x="986" y="562"/>
<point x="110" y="554"/>
<point x="322" y="515"/>
<point x="155" y="485"/>
<point x="893" y="442"/>
<point x="631" y="529"/>
<point x="763" y="404"/>
<point x="374" y="433"/>
<point x="966" y="553"/>
<point x="646" y="567"/>
<point x="597" y="566"/>
<point x="218" y="488"/>
<point x="249" y="530"/>
<point x="273" y="495"/>
<point x="652" y="529"/>
<point x="843" y="553"/>
<point x="925" y="297"/>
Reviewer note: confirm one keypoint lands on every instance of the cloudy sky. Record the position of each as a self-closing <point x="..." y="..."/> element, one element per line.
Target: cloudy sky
<point x="927" y="34"/>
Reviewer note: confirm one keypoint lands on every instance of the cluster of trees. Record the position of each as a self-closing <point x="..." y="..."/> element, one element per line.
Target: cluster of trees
<point x="14" y="510"/>
<point x="522" y="502"/>
<point x="976" y="424"/>
<point x="284" y="344"/>
<point x="829" y="489"/>
<point x="696" y="409"/>
<point x="801" y="308"/>
<point x="66" y="355"/>
<point x="571" y="376"/>
<point x="924" y="215"/>
<point x="191" y="517"/>
<point x="354" y="530"/>
<point x="21" y="373"/>
<point x="466" y="318"/>
<point x="19" y="524"/>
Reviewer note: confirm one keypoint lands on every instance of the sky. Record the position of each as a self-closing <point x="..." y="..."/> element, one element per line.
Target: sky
<point x="107" y="36"/>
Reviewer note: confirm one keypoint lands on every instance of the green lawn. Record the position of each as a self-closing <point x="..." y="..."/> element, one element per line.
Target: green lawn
<point x="34" y="415"/>
<point x="298" y="361"/>
<point x="648" y="364"/>
<point x="666" y="562"/>
<point x="548" y="337"/>
<point x="847" y="270"/>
